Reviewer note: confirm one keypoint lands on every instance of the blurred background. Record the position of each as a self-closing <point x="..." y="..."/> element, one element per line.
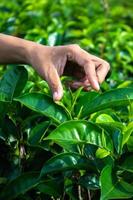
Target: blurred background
<point x="102" y="27"/>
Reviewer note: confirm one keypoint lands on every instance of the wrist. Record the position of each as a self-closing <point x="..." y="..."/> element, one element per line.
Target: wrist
<point x="35" y="53"/>
<point x="26" y="51"/>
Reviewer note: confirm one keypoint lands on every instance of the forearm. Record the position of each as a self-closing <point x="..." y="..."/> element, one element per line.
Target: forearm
<point x="14" y="50"/>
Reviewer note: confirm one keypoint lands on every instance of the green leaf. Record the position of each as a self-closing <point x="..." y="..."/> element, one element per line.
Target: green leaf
<point x="43" y="104"/>
<point x="102" y="153"/>
<point x="37" y="133"/>
<point x="20" y="185"/>
<point x="110" y="99"/>
<point x="12" y="83"/>
<point x="89" y="181"/>
<point x="113" y="187"/>
<point x="104" y="118"/>
<point x="85" y="98"/>
<point x="75" y="96"/>
<point x="80" y="132"/>
<point x="130" y="144"/>
<point x="127" y="132"/>
<point x="3" y="109"/>
<point x="127" y="83"/>
<point x="115" y="129"/>
<point x="54" y="39"/>
<point x="70" y="190"/>
<point x="128" y="164"/>
<point x="66" y="161"/>
<point x="53" y="187"/>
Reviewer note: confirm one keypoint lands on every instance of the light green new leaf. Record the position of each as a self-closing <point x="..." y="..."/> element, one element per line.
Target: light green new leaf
<point x="104" y="118"/>
<point x="80" y="132"/>
<point x="113" y="187"/>
<point x="102" y="153"/>
<point x="12" y="83"/>
<point x="109" y="99"/>
<point x="20" y="185"/>
<point x="66" y="161"/>
<point x="43" y="104"/>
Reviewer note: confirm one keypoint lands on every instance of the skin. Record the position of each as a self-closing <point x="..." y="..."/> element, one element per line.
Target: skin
<point x="52" y="62"/>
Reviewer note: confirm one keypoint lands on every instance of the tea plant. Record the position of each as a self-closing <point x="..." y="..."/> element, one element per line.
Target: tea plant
<point x="82" y="147"/>
<point x="79" y="148"/>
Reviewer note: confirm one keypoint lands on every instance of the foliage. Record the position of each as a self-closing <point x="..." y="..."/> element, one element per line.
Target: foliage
<point x="76" y="145"/>
<point x="101" y="27"/>
<point x="80" y="147"/>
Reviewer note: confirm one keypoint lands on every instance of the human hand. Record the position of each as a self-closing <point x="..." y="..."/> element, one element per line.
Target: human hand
<point x="52" y="62"/>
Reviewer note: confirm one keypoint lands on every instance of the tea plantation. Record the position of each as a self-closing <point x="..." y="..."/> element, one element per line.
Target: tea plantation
<point x="80" y="148"/>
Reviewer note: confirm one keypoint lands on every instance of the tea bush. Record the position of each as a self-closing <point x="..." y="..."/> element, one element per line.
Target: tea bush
<point x="81" y="147"/>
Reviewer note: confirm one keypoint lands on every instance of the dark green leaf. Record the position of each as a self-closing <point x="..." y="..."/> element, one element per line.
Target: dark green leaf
<point x="109" y="99"/>
<point x="12" y="83"/>
<point x="37" y="133"/>
<point x="85" y="98"/>
<point x="127" y="164"/>
<point x="20" y="185"/>
<point x="52" y="187"/>
<point x="90" y="181"/>
<point x="66" y="161"/>
<point x="43" y="104"/>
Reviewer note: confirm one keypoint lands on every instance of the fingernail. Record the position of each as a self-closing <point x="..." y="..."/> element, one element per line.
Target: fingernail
<point x="96" y="85"/>
<point x="57" y="95"/>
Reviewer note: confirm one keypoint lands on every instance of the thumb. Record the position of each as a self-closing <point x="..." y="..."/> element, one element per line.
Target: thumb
<point x="54" y="82"/>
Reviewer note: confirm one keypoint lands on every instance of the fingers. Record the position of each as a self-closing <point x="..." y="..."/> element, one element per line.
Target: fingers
<point x="95" y="68"/>
<point x="90" y="71"/>
<point x="77" y="84"/>
<point x="102" y="71"/>
<point x="54" y="82"/>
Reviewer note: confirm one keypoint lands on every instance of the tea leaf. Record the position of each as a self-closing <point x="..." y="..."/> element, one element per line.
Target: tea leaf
<point x="66" y="161"/>
<point x="113" y="187"/>
<point x="12" y="83"/>
<point x="127" y="164"/>
<point x="109" y="99"/>
<point x="20" y="185"/>
<point x="102" y="153"/>
<point x="37" y="133"/>
<point x="80" y="132"/>
<point x="43" y="104"/>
